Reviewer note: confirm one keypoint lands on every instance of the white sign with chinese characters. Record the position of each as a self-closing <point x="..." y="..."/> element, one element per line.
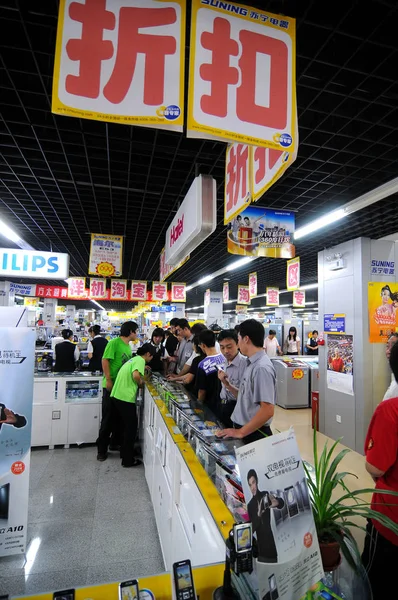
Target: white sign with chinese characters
<point x="194" y="221"/>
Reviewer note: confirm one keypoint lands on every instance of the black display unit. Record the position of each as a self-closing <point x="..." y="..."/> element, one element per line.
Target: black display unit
<point x="4" y="500"/>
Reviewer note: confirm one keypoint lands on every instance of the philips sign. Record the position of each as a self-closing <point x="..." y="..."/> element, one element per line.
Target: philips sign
<point x="194" y="221"/>
<point x="32" y="263"/>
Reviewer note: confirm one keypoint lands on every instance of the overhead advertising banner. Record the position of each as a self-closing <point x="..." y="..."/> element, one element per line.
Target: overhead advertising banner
<point x="298" y="299"/>
<point x="293" y="274"/>
<point x="106" y="255"/>
<point x="17" y="351"/>
<point x="121" y="61"/>
<point x="383" y="311"/>
<point x="242" y="80"/>
<point x="98" y="289"/>
<point x="77" y="287"/>
<point x="262" y="232"/>
<point x="118" y="289"/>
<point x="279" y="507"/>
<point x="159" y="291"/>
<point x="166" y="270"/>
<point x="243" y="294"/>
<point x="253" y="285"/>
<point x="272" y="296"/>
<point x="178" y="292"/>
<point x="225" y="292"/>
<point x="237" y="191"/>
<point x="32" y="263"/>
<point x="51" y="291"/>
<point x="138" y="290"/>
<point x="340" y="364"/>
<point x="194" y="221"/>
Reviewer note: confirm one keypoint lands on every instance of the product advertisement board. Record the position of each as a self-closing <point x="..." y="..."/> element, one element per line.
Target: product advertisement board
<point x="279" y="507"/>
<point x="340" y="363"/>
<point x="262" y="232"/>
<point x="334" y="323"/>
<point x="106" y="255"/>
<point x="383" y="311"/>
<point x="242" y="77"/>
<point x="17" y="349"/>
<point x="121" y="61"/>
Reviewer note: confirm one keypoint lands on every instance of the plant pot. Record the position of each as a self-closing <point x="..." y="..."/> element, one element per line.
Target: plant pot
<point x="330" y="554"/>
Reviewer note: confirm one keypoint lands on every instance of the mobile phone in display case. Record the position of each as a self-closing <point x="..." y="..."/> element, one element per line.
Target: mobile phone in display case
<point x="291" y="500"/>
<point x="129" y="590"/>
<point x="183" y="581"/>
<point x="64" y="595"/>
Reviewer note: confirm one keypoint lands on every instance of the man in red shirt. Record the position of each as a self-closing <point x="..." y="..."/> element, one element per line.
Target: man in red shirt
<point x="380" y="555"/>
<point x="337" y="363"/>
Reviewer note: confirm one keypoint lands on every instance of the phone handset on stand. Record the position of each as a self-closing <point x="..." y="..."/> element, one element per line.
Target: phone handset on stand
<point x="240" y="551"/>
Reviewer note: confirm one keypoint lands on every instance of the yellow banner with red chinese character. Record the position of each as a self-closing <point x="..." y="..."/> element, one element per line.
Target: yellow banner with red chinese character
<point x="121" y="61"/>
<point x="272" y="296"/>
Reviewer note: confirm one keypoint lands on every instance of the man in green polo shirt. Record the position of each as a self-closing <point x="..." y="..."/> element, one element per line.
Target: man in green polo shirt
<point x="117" y="352"/>
<point x="123" y="397"/>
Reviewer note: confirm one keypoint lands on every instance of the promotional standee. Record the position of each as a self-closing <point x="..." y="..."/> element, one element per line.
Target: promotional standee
<point x="17" y="349"/>
<point x="279" y="508"/>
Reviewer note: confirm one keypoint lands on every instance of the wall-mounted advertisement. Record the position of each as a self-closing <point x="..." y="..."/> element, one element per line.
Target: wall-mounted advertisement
<point x="259" y="231"/>
<point x="17" y="349"/>
<point x="340" y="363"/>
<point x="121" y="61"/>
<point x="383" y="311"/>
<point x="106" y="255"/>
<point x="279" y="507"/>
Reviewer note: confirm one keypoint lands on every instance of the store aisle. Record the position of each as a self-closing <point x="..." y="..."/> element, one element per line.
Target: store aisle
<point x="89" y="523"/>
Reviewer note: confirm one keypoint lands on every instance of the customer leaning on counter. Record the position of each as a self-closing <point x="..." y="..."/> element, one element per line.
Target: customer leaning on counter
<point x="255" y="405"/>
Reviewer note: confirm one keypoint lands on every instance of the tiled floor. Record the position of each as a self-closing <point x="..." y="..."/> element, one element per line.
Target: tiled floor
<point x="92" y="522"/>
<point x="89" y="523"/>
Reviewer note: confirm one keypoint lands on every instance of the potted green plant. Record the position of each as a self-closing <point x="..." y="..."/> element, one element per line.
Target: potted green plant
<point x="334" y="515"/>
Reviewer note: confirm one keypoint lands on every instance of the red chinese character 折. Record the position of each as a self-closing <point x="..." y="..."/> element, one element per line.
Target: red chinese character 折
<point x="237" y="174"/>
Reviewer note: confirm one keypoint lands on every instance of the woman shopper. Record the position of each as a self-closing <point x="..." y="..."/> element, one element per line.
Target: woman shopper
<point x="124" y="396"/>
<point x="292" y="343"/>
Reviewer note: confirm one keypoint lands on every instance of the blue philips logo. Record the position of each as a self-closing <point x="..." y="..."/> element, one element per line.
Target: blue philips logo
<point x="172" y="112"/>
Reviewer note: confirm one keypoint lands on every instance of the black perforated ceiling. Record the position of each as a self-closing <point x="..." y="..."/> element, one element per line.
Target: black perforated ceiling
<point x="62" y="177"/>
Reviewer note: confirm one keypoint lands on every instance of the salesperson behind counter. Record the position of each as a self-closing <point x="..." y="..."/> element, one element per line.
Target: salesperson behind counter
<point x="255" y="405"/>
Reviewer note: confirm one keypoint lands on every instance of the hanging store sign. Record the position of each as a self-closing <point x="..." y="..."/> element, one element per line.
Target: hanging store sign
<point x="267" y="166"/>
<point x="382" y="308"/>
<point x="166" y="270"/>
<point x="118" y="289"/>
<point x="241" y="309"/>
<point x="178" y="292"/>
<point x="194" y="221"/>
<point x="77" y="288"/>
<point x="243" y="294"/>
<point x="242" y="81"/>
<point x="272" y="296"/>
<point x="159" y="291"/>
<point x="206" y="300"/>
<point x="32" y="263"/>
<point x="23" y="290"/>
<point x="98" y="289"/>
<point x="298" y="299"/>
<point x="253" y="285"/>
<point x="138" y="290"/>
<point x="17" y="352"/>
<point x="279" y="506"/>
<point x="293" y="274"/>
<point x="262" y="232"/>
<point x="121" y="61"/>
<point x="225" y="292"/>
<point x="51" y="291"/>
<point x="106" y="255"/>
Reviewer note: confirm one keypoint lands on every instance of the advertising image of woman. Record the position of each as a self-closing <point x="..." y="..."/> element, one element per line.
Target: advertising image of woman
<point x="292" y="343"/>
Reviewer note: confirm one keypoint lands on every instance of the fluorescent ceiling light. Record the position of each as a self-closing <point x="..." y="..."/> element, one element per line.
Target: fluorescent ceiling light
<point x="188" y="287"/>
<point x="97" y="304"/>
<point x="205" y="279"/>
<point x="328" y="219"/>
<point x="310" y="286"/>
<point x="9" y="233"/>
<point x="239" y="263"/>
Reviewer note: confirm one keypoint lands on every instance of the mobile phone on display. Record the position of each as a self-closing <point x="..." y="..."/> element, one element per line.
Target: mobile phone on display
<point x="291" y="501"/>
<point x="64" y="595"/>
<point x="243" y="542"/>
<point x="183" y="580"/>
<point x="273" y="590"/>
<point x="128" y="590"/>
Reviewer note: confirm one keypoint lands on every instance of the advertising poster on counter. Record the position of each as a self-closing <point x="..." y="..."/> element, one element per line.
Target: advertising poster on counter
<point x="262" y="232"/>
<point x="340" y="363"/>
<point x="293" y="274"/>
<point x="121" y="61"/>
<point x="383" y="311"/>
<point x="17" y="349"/>
<point x="278" y="503"/>
<point x="242" y="91"/>
<point x="106" y="255"/>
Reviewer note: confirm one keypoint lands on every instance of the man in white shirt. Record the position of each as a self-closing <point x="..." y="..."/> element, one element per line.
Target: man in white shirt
<point x="271" y="345"/>
<point x="232" y="376"/>
<point x="392" y="391"/>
